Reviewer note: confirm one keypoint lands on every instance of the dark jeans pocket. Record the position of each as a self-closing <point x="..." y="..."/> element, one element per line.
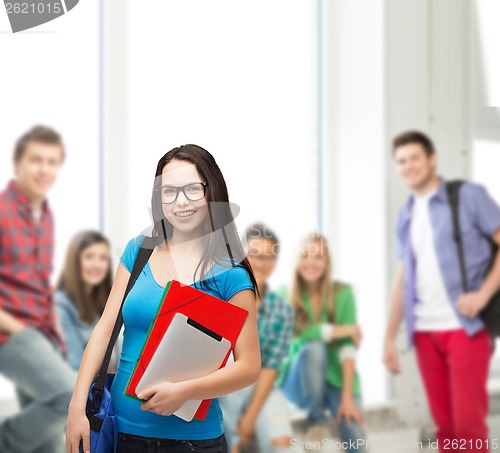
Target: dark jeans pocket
<point x="215" y="445"/>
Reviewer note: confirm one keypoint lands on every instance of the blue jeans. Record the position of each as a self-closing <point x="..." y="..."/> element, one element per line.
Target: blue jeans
<point x="44" y="384"/>
<point x="305" y="385"/>
<point x="128" y="443"/>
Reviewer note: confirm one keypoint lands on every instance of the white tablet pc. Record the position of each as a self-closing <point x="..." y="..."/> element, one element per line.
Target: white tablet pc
<point x="187" y="350"/>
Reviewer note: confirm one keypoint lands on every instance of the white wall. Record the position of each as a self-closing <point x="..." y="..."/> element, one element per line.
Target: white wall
<point x="354" y="123"/>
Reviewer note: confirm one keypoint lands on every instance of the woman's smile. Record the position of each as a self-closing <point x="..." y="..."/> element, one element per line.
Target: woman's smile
<point x="185" y="213"/>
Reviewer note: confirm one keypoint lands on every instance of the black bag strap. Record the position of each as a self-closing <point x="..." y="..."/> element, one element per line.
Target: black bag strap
<point x="140" y="262"/>
<point x="453" y="191"/>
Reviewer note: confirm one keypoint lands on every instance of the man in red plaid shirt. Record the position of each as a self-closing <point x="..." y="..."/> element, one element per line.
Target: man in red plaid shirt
<point x="31" y="349"/>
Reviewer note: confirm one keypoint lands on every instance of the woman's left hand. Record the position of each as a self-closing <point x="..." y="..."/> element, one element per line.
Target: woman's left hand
<point x="163" y="399"/>
<point x="349" y="410"/>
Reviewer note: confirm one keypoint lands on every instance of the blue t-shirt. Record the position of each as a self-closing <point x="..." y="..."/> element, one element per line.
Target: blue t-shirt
<point x="138" y="311"/>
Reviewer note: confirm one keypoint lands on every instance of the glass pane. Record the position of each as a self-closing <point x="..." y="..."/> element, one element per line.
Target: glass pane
<point x="247" y="95"/>
<point x="488" y="12"/>
<point x="50" y="76"/>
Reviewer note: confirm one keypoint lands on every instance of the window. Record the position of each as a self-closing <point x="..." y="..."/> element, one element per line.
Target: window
<point x="222" y="75"/>
<point x="50" y="75"/>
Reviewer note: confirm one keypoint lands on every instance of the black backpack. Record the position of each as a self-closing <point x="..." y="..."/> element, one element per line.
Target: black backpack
<point x="490" y="314"/>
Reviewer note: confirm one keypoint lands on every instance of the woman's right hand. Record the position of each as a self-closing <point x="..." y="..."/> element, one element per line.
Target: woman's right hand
<point x="77" y="429"/>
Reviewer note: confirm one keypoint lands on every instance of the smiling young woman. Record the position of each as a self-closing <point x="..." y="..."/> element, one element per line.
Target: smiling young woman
<point x="320" y="371"/>
<point x="190" y="207"/>
<point x="82" y="290"/>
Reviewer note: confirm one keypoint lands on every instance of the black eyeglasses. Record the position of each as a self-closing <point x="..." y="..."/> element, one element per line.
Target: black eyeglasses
<point x="193" y="192"/>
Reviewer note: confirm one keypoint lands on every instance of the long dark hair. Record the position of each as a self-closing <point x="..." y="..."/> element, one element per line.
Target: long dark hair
<point x="220" y="218"/>
<point x="71" y="282"/>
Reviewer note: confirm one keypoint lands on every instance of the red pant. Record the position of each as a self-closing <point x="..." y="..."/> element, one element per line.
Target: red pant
<point x="454" y="368"/>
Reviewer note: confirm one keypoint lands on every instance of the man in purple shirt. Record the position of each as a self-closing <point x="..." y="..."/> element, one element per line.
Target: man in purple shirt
<point x="453" y="348"/>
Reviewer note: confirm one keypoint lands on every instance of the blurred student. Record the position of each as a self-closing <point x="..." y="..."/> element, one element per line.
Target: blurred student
<point x="452" y="346"/>
<point x="320" y="372"/>
<point x="30" y="344"/>
<point x="82" y="290"/>
<point x="262" y="409"/>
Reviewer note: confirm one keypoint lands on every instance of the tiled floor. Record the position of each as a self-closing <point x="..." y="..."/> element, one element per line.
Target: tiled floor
<point x="407" y="441"/>
<point x="396" y="441"/>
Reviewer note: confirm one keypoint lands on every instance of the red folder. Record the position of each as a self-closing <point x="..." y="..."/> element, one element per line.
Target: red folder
<point x="222" y="317"/>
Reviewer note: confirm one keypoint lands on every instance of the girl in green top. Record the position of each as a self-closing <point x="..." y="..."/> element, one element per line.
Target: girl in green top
<point x="320" y="371"/>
